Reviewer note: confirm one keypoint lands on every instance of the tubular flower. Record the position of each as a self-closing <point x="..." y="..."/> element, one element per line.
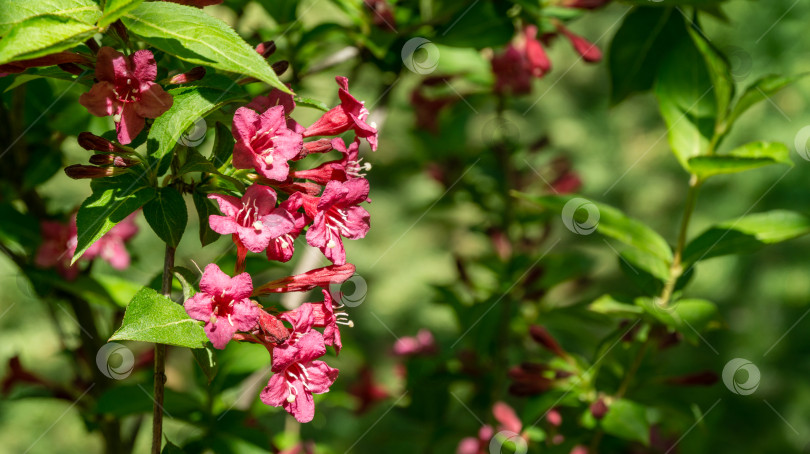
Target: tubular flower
<point x="350" y="114"/>
<point x="282" y="247"/>
<point x="264" y="142"/>
<point x="223" y="303"/>
<point x="336" y="216"/>
<point x="344" y="169"/>
<point x="126" y="90"/>
<point x="254" y="219"/>
<point x="297" y="373"/>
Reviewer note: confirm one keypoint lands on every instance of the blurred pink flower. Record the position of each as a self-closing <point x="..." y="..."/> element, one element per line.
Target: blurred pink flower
<point x="126" y="90"/>
<point x="421" y="344"/>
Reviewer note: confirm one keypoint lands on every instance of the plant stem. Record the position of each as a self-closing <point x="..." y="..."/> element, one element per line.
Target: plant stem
<point x="160" y="360"/>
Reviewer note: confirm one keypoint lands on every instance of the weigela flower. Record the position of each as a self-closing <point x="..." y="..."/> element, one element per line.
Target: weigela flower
<point x="126" y="90"/>
<point x="421" y="344"/>
<point x="224" y="304"/>
<point x="282" y="247"/>
<point x="111" y="246"/>
<point x="523" y="59"/>
<point x="324" y="315"/>
<point x="477" y="445"/>
<point x="254" y="219"/>
<point x="57" y="248"/>
<point x="264" y="142"/>
<point x="336" y="215"/>
<point x="351" y="114"/>
<point x="320" y="277"/>
<point x="343" y="169"/>
<point x="297" y="373"/>
<point x="508" y="421"/>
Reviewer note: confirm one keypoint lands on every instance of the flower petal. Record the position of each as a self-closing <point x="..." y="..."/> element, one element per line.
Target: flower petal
<point x="144" y="66"/>
<point x="199" y="306"/>
<point x="131" y="124"/>
<point x="320" y="376"/>
<point x="214" y="281"/>
<point x="100" y="100"/>
<point x="153" y="101"/>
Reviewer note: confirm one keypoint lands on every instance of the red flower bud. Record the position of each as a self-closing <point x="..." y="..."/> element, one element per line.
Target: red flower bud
<point x="585" y="4"/>
<point x="599" y="408"/>
<point x="280" y="67"/>
<point x="321" y="277"/>
<point x="78" y="171"/>
<point x="704" y="378"/>
<point x="196" y="73"/>
<point x="589" y="52"/>
<point x="266" y="48"/>
<point x="544" y="338"/>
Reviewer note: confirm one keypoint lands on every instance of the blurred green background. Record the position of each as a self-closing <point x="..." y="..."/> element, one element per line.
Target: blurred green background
<point x="622" y="157"/>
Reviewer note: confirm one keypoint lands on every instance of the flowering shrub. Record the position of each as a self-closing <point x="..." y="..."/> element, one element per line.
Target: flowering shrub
<point x="511" y="330"/>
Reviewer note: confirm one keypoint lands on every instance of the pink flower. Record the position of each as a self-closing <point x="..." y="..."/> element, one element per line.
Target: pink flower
<point x="57" y="248"/>
<point x="523" y="58"/>
<point x="126" y="90"/>
<point x="264" y="142"/>
<point x="254" y="219"/>
<point x="110" y="247"/>
<point x="282" y="247"/>
<point x="297" y="374"/>
<point x="336" y="216"/>
<point x="350" y="114"/>
<point x="320" y="277"/>
<point x="589" y="52"/>
<point x="324" y="315"/>
<point x="421" y="344"/>
<point x="507" y="418"/>
<point x="223" y="303"/>
<point x="477" y="445"/>
<point x="277" y="97"/>
<point x="341" y="170"/>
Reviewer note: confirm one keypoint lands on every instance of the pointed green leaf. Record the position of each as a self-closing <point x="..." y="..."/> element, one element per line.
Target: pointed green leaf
<point x="113" y="199"/>
<point x="759" y="91"/>
<point x="199" y="38"/>
<point x="167" y="215"/>
<point x="114" y="9"/>
<point x="627" y="420"/>
<point x="719" y="71"/>
<point x="609" y="221"/>
<point x="152" y="317"/>
<point x="747" y="157"/>
<point x="14" y="12"/>
<point x="43" y="35"/>
<point x="747" y="234"/>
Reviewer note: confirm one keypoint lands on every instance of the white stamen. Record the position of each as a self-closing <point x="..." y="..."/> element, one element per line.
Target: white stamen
<point x="331" y="244"/>
<point x="258" y="225"/>
<point x="291" y="398"/>
<point x="268" y="159"/>
<point x="229" y="319"/>
<point x="117" y="118"/>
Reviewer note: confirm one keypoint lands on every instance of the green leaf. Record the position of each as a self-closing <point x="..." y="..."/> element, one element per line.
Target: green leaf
<point x="647" y="271"/>
<point x="611" y="222"/>
<point x="309" y="102"/>
<point x="14" y="12"/>
<point x="645" y="37"/>
<point x="719" y="72"/>
<point x="750" y="156"/>
<point x="690" y="317"/>
<point x="43" y="35"/>
<point x="190" y="104"/>
<point x="759" y="91"/>
<point x="205" y="208"/>
<point x="114" y="9"/>
<point x="747" y="234"/>
<point x="207" y="360"/>
<point x="192" y="35"/>
<point x="187" y="279"/>
<point x="152" y="317"/>
<point x="479" y="25"/>
<point x="627" y="420"/>
<point x="684" y="91"/>
<point x="113" y="199"/>
<point x="223" y="146"/>
<point x="171" y="448"/>
<point x="195" y="162"/>
<point x="167" y="215"/>
<point x="608" y="305"/>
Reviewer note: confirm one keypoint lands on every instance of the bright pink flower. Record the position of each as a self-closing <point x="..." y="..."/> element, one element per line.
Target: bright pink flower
<point x="589" y="52"/>
<point x="57" y="248"/>
<point x="507" y="417"/>
<point x="254" y="219"/>
<point x="320" y="277"/>
<point x="275" y="98"/>
<point x="479" y="445"/>
<point x="282" y="247"/>
<point x="224" y="304"/>
<point x="336" y="216"/>
<point x="297" y="373"/>
<point x="126" y="90"/>
<point x="264" y="142"/>
<point x="421" y="344"/>
<point x="110" y="247"/>
<point x="523" y="59"/>
<point x="324" y="315"/>
<point x="350" y="114"/>
<point x="538" y="62"/>
<point x="346" y="168"/>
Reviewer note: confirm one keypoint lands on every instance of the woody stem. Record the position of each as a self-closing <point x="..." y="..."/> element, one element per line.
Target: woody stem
<point x="160" y="360"/>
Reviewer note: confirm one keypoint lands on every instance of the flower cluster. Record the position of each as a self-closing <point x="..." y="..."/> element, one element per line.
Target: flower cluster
<point x="284" y="202"/>
<point x="60" y="241"/>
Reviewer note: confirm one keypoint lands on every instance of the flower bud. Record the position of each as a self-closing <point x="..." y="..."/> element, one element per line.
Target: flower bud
<point x="585" y="4"/>
<point x="79" y="171"/>
<point x="589" y="52"/>
<point x="544" y="338"/>
<point x="191" y="75"/>
<point x="266" y="48"/>
<point x="280" y="67"/>
<point x="92" y="142"/>
<point x="599" y="408"/>
<point x="109" y="159"/>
